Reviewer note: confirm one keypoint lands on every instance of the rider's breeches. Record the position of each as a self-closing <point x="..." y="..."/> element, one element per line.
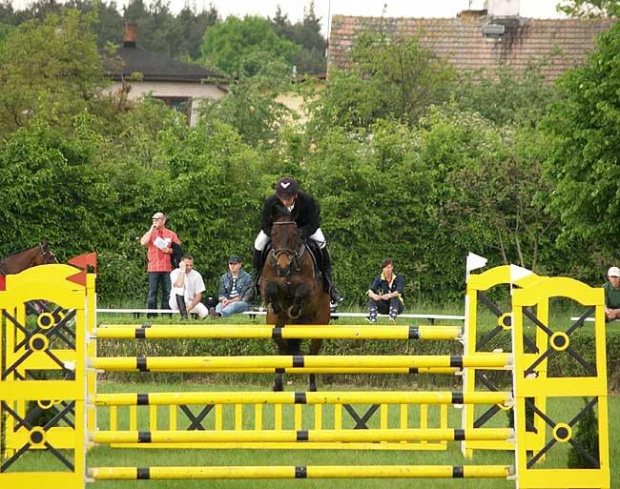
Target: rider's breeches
<point x="262" y="239"/>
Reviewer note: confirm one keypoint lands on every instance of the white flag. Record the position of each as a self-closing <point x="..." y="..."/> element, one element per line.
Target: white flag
<point x="475" y="261"/>
<point x="517" y="273"/>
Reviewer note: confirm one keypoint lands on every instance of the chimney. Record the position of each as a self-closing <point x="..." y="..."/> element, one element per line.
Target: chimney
<point x="503" y="8"/>
<point x="129" y="35"/>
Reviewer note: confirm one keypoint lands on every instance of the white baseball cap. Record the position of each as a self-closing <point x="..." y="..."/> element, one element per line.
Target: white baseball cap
<point x="613" y="272"/>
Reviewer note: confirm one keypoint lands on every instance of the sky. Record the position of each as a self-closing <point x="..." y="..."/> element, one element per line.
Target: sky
<point x="541" y="9"/>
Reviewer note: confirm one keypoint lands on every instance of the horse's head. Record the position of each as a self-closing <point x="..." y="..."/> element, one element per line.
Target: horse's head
<point x="286" y="240"/>
<point x="44" y="255"/>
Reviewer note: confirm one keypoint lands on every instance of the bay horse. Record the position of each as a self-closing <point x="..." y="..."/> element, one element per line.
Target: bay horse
<point x="19" y="261"/>
<point x="292" y="289"/>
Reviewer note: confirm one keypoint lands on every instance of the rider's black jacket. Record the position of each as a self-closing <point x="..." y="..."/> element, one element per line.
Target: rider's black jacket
<point x="306" y="213"/>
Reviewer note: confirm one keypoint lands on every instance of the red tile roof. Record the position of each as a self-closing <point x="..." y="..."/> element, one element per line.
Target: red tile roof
<point x="460" y="40"/>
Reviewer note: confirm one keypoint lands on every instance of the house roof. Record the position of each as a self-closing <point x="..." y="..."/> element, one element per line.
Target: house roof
<point x="460" y="40"/>
<point x="157" y="67"/>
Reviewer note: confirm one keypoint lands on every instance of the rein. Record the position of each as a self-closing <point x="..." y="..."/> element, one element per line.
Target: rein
<point x="294" y="254"/>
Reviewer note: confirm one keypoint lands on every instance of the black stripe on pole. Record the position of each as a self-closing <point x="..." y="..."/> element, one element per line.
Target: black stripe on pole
<point x="456" y="361"/>
<point x="414" y="370"/>
<point x="298" y="361"/>
<point x="459" y="434"/>
<point x="144" y="437"/>
<point x="457" y="472"/>
<point x="303" y="435"/>
<point x="458" y="398"/>
<point x="276" y="333"/>
<point x="301" y="472"/>
<point x="414" y="333"/>
<point x="143" y="473"/>
<point x="300" y="398"/>
<point x="140" y="334"/>
<point x="141" y="364"/>
<point x="143" y="399"/>
<point x="280" y="370"/>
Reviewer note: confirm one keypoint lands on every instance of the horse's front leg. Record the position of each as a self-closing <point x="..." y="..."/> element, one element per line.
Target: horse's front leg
<point x="273" y="299"/>
<point x="300" y="299"/>
<point x="278" y="383"/>
<point x="315" y="348"/>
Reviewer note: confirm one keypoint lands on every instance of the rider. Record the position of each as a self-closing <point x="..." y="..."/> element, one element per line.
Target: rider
<point x="306" y="212"/>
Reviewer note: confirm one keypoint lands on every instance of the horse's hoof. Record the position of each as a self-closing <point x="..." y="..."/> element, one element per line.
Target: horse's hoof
<point x="277" y="388"/>
<point x="312" y="388"/>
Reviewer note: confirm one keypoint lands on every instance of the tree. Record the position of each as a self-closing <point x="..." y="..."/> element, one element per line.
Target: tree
<point x="506" y="96"/>
<point x="54" y="62"/>
<point x="389" y="78"/>
<point x="588" y="9"/>
<point x="307" y="35"/>
<point x="585" y="128"/>
<point x="252" y="106"/>
<point x="226" y="45"/>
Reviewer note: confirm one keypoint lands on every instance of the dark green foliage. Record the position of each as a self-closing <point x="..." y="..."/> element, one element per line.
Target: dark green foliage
<point x="586" y="435"/>
<point x="311" y="58"/>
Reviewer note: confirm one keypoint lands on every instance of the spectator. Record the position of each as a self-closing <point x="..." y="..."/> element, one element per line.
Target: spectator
<point x="612" y="294"/>
<point x="159" y="240"/>
<point x="235" y="290"/>
<point x="386" y="293"/>
<point x="187" y="289"/>
<point x="306" y="212"/>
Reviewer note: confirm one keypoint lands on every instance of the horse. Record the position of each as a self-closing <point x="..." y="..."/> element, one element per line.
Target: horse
<point x="18" y="261"/>
<point x="292" y="289"/>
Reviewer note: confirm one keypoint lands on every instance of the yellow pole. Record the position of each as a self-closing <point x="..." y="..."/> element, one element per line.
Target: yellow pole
<point x="353" y="332"/>
<point x="301" y="472"/>
<point x="208" y="364"/>
<point x="393" y="397"/>
<point x="287" y="436"/>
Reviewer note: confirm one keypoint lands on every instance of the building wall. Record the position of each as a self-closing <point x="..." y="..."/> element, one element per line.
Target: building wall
<point x="195" y="91"/>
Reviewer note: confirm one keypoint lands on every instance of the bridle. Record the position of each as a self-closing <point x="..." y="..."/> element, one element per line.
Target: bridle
<point x="48" y="255"/>
<point x="293" y="254"/>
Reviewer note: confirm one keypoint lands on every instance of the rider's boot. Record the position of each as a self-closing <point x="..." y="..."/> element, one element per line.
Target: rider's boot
<point x="326" y="265"/>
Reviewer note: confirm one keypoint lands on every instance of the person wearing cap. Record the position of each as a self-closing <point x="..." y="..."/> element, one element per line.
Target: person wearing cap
<point x="612" y="294"/>
<point x="306" y="212"/>
<point x="386" y="293"/>
<point x="235" y="290"/>
<point x="159" y="242"/>
<point x="187" y="289"/>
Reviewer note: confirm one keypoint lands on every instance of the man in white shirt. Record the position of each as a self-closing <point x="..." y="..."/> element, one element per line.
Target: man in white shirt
<point x="187" y="289"/>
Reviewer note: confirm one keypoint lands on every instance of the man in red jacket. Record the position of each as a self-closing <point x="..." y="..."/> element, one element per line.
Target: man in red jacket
<point x="158" y="240"/>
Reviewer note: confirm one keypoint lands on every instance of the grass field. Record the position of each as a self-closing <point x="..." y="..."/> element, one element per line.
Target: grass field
<point x="104" y="456"/>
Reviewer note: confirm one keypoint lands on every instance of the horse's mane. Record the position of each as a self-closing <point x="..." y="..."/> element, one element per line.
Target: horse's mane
<point x="19" y="251"/>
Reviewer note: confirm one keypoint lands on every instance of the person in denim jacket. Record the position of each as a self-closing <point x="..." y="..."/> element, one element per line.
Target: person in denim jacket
<point x="235" y="290"/>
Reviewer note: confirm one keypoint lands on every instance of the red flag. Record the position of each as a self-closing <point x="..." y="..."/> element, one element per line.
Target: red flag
<point x="78" y="278"/>
<point x="84" y="261"/>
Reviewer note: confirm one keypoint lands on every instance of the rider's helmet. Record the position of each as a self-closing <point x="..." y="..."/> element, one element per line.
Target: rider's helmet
<point x="287" y="188"/>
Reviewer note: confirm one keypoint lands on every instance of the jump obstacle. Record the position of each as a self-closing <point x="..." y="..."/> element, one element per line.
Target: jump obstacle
<point x="51" y="361"/>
